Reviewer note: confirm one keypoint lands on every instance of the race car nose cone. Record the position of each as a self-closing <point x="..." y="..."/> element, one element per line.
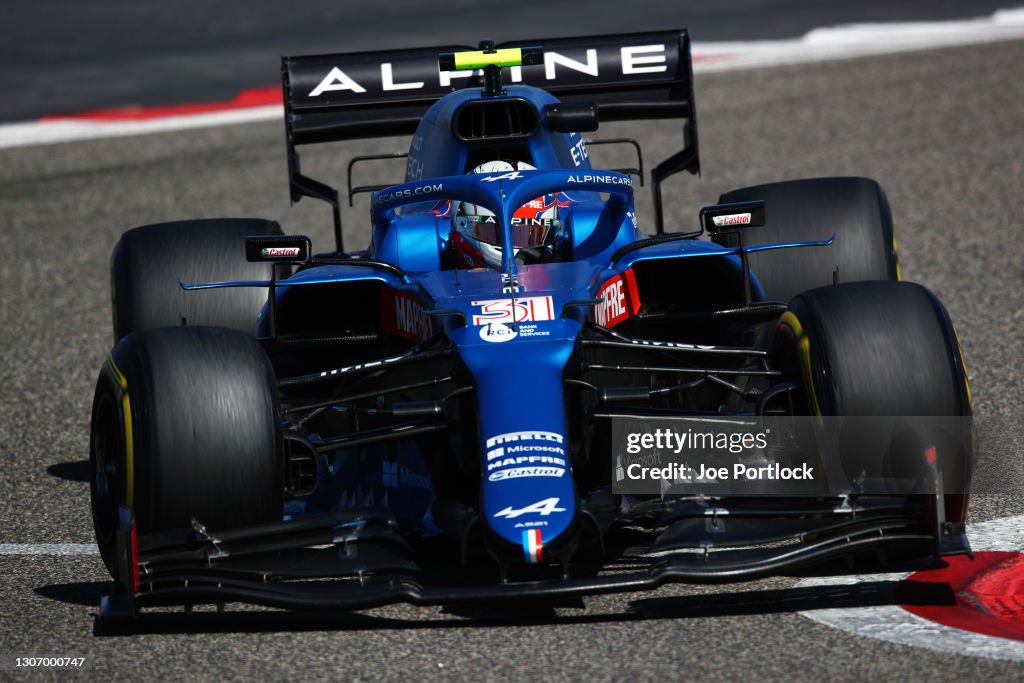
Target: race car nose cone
<point x="528" y="492"/>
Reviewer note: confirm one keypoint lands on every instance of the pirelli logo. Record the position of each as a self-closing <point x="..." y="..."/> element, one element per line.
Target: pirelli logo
<point x="512" y="437"/>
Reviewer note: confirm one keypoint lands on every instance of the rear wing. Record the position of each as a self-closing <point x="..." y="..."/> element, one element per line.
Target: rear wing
<point x="372" y="94"/>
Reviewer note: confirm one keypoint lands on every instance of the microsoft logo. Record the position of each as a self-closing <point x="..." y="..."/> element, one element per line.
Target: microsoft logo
<point x="390" y="474"/>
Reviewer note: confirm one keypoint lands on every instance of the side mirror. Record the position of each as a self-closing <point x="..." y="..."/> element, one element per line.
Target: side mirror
<point x="727" y="217"/>
<point x="571" y="118"/>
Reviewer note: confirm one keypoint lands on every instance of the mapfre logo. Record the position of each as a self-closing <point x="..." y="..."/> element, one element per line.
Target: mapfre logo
<point x="618" y="300"/>
<point x="404" y="316"/>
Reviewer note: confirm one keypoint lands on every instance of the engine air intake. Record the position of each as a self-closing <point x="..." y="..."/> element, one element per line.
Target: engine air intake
<point x="506" y="118"/>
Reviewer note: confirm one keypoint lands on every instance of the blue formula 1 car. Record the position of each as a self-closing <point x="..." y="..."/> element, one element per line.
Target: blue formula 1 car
<point x="459" y="412"/>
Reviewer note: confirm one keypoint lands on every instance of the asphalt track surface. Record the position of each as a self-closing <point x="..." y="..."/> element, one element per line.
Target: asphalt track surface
<point x="942" y="130"/>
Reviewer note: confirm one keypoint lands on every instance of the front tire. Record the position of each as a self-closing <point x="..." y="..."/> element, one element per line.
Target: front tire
<point x="185" y="425"/>
<point x="875" y="348"/>
<point x="886" y="355"/>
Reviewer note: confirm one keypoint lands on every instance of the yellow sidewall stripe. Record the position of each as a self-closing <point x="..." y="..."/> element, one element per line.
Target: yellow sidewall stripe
<point x="896" y="254"/>
<point x="963" y="366"/>
<point x="126" y="422"/>
<point x="803" y="345"/>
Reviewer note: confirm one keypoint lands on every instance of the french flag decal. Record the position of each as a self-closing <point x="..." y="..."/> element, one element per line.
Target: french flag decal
<point x="532" y="546"/>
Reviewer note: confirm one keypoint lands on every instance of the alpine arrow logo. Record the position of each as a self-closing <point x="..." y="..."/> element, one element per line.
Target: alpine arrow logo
<point x="542" y="507"/>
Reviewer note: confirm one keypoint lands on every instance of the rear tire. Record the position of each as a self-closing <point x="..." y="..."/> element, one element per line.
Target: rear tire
<point x="855" y="209"/>
<point x="185" y="425"/>
<point x="148" y="261"/>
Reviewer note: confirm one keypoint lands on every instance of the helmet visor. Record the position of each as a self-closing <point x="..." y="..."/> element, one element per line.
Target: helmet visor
<point x="534" y="224"/>
<point x="526" y="232"/>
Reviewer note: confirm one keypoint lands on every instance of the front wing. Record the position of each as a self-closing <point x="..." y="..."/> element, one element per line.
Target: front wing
<point x="357" y="560"/>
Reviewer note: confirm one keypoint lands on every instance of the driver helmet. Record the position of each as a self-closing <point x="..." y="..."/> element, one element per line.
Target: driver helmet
<point x="477" y="234"/>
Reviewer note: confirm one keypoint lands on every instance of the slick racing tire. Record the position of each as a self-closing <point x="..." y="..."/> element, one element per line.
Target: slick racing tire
<point x="185" y="425"/>
<point x="875" y="348"/>
<point x="855" y="209"/>
<point x="885" y="351"/>
<point x="148" y="261"/>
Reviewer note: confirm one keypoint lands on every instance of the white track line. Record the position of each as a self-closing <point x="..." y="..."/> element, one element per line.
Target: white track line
<point x="822" y="44"/>
<point x="858" y="40"/>
<point x="48" y="132"/>
<point x="49" y="549"/>
<point x="897" y="625"/>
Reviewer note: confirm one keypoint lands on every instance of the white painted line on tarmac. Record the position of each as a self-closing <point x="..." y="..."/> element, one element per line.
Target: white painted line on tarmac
<point x="49" y="549"/>
<point x="49" y="132"/>
<point x="822" y="44"/>
<point x="859" y="40"/>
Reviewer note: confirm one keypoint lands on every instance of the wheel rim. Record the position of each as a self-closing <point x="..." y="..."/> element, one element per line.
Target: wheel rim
<point x="106" y="478"/>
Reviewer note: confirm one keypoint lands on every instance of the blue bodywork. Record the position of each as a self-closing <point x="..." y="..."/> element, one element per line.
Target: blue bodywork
<point x="533" y="309"/>
<point x="514" y="329"/>
<point x="527" y="479"/>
